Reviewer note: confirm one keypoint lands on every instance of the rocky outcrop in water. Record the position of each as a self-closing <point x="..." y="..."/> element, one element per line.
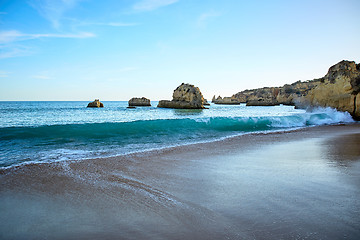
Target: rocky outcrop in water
<point x="185" y="96"/>
<point x="226" y="100"/>
<point x="258" y="97"/>
<point x="339" y="88"/>
<point x="96" y="104"/>
<point x="139" y="102"/>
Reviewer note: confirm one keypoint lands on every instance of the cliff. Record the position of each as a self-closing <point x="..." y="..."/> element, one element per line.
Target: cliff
<point x="225" y="100"/>
<point x="185" y="96"/>
<point x="339" y="88"/>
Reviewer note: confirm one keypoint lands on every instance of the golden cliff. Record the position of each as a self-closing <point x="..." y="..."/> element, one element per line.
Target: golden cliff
<point x="339" y="88"/>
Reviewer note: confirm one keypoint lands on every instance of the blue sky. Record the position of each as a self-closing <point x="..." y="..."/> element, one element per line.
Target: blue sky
<point x="118" y="49"/>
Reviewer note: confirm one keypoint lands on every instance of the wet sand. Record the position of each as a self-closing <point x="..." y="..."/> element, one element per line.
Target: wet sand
<point x="303" y="184"/>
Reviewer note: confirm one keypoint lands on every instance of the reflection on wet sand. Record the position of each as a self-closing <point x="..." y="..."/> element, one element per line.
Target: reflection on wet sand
<point x="344" y="148"/>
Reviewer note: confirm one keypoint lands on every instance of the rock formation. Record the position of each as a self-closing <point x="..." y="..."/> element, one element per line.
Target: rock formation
<point x="226" y="100"/>
<point x="213" y="99"/>
<point x="185" y="96"/>
<point x="95" y="104"/>
<point x="258" y="97"/>
<point x="293" y="94"/>
<point x="134" y="102"/>
<point x="339" y="88"/>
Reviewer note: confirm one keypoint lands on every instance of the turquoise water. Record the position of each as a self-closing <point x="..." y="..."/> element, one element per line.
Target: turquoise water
<point x="55" y="131"/>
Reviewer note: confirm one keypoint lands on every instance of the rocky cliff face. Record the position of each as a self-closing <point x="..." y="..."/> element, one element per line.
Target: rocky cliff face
<point x="293" y="94"/>
<point x="96" y="104"/>
<point x="142" y="102"/>
<point x="226" y="100"/>
<point x="339" y="88"/>
<point x="185" y="96"/>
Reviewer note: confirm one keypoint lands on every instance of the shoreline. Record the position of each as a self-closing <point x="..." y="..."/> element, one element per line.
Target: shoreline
<point x="300" y="183"/>
<point x="160" y="149"/>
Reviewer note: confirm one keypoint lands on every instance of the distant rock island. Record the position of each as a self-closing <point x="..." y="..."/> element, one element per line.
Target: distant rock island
<point x="139" y="102"/>
<point x="339" y="88"/>
<point x="185" y="96"/>
<point x="225" y="100"/>
<point x="96" y="104"/>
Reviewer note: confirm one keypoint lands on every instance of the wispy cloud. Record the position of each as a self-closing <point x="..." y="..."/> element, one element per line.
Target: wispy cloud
<point x="4" y="74"/>
<point x="10" y="48"/>
<point x="119" y="24"/>
<point x="9" y="36"/>
<point x="15" y="36"/>
<point x="53" y="10"/>
<point x="14" y="51"/>
<point x="42" y="77"/>
<point x="204" y="18"/>
<point x="3" y="13"/>
<point x="111" y="24"/>
<point x="149" y="5"/>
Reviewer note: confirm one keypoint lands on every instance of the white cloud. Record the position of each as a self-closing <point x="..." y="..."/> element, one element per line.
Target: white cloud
<point x="120" y="24"/>
<point x="42" y="77"/>
<point x="14" y="51"/>
<point x="15" y="36"/>
<point x="53" y="10"/>
<point x="205" y="17"/>
<point x="111" y="24"/>
<point x="8" y="40"/>
<point x="66" y="35"/>
<point x="4" y="74"/>
<point x="9" y="36"/>
<point x="149" y="5"/>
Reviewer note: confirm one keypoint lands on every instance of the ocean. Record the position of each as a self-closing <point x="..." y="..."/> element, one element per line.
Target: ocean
<point x="56" y="131"/>
<point x="293" y="180"/>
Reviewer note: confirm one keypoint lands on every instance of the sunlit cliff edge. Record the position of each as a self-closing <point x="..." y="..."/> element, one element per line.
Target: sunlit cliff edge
<point x="339" y="88"/>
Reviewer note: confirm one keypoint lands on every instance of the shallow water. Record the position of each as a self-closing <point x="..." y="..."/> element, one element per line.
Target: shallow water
<point x="296" y="185"/>
<point x="58" y="131"/>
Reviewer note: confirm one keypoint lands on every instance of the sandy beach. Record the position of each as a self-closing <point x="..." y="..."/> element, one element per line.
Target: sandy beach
<point x="302" y="184"/>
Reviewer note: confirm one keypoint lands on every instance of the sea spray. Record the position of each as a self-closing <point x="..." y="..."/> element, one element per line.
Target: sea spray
<point x="126" y="131"/>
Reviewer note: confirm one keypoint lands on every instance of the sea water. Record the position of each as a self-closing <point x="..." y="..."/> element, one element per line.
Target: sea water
<point x="55" y="131"/>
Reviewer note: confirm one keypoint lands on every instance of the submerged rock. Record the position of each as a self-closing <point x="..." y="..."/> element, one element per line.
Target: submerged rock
<point x="185" y="96"/>
<point x="139" y="102"/>
<point x="96" y="104"/>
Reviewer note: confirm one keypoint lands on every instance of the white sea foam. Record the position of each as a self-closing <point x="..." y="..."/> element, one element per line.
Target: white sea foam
<point x="54" y="143"/>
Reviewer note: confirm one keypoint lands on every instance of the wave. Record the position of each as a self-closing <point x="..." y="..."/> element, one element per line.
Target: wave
<point x="73" y="141"/>
<point x="171" y="126"/>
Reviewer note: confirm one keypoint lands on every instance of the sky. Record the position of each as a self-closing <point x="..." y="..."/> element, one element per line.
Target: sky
<point x="56" y="50"/>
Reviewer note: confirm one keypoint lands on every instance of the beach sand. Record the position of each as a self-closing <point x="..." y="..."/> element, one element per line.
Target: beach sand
<point x="303" y="184"/>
